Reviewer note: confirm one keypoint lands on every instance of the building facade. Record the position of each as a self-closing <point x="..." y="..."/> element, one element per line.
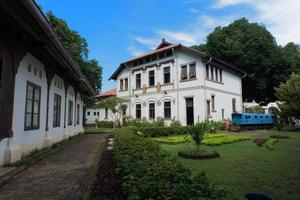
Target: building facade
<point x="93" y="114"/>
<point x="41" y="87"/>
<point x="176" y="82"/>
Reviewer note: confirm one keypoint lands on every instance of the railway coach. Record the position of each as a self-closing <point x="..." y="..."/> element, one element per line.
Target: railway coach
<point x="246" y="121"/>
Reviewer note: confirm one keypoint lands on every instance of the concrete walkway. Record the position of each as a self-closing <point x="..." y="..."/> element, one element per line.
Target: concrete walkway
<point x="59" y="176"/>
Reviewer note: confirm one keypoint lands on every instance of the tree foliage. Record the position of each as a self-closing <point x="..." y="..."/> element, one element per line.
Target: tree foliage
<point x="289" y="94"/>
<point x="252" y="48"/>
<point x="117" y="105"/>
<point x="78" y="48"/>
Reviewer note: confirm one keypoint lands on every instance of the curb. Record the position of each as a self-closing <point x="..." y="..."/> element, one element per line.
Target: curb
<point x="10" y="175"/>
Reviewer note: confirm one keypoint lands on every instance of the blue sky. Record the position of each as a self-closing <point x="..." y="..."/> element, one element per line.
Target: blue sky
<point x="120" y="29"/>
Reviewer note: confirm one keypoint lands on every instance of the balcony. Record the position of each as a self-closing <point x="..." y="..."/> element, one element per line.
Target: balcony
<point x="137" y="91"/>
<point x="167" y="86"/>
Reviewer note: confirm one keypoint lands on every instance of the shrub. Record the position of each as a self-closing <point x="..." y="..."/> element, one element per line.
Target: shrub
<point x="175" y="123"/>
<point x="278" y="126"/>
<point x="280" y="136"/>
<point x="105" y="124"/>
<point x="198" y="155"/>
<point x="226" y="139"/>
<point x="147" y="172"/>
<point x="170" y="140"/>
<point x="216" y="125"/>
<point x="271" y="143"/>
<point x="198" y="132"/>
<point x="152" y="131"/>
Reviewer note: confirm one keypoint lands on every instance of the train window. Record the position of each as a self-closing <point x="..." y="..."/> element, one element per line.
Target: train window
<point x="240" y="117"/>
<point x="261" y="117"/>
<point x="267" y="116"/>
<point x="255" y="117"/>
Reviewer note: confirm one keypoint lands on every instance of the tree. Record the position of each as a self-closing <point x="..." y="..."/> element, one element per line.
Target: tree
<point x="197" y="132"/>
<point x="78" y="49"/>
<point x="117" y="106"/>
<point x="255" y="109"/>
<point x="289" y="94"/>
<point x="252" y="48"/>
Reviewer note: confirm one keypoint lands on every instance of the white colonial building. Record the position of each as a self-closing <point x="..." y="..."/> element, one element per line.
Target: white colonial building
<point x="180" y="83"/>
<point x="41" y="87"/>
<point x="93" y="114"/>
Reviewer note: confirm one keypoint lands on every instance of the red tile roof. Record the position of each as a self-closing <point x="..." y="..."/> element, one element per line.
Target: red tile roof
<point x="112" y="92"/>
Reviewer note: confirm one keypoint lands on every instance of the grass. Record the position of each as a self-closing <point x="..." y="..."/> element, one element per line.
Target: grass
<point x="94" y="130"/>
<point x="245" y="167"/>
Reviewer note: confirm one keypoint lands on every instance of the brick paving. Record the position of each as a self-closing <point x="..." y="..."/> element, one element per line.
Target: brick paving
<point x="59" y="176"/>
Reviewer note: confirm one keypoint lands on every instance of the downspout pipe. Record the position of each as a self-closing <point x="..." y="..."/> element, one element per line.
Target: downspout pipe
<point x="177" y="84"/>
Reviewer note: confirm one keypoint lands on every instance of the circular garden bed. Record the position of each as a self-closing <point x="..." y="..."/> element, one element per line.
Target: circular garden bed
<point x="198" y="155"/>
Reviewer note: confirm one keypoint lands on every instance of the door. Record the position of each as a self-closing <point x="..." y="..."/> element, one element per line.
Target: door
<point x="189" y="111"/>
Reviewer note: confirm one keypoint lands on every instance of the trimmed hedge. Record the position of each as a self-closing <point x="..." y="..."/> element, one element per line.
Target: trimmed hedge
<point x="271" y="143"/>
<point x="226" y="139"/>
<point x="159" y="131"/>
<point x="198" y="155"/>
<point x="148" y="172"/>
<point x="280" y="136"/>
<point x="105" y="124"/>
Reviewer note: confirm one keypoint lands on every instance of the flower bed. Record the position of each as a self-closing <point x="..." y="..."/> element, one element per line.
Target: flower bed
<point x="198" y="155"/>
<point x="147" y="172"/>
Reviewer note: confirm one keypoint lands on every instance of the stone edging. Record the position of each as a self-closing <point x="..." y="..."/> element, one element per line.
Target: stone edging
<point x="10" y="175"/>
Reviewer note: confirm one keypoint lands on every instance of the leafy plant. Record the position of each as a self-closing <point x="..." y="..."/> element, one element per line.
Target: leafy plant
<point x="278" y="126"/>
<point x="198" y="132"/>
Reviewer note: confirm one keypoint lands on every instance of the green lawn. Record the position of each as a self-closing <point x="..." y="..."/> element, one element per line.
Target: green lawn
<point x="94" y="130"/>
<point x="245" y="167"/>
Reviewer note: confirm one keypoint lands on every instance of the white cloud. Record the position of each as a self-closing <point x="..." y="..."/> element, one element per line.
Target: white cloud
<point x="192" y="34"/>
<point x="194" y="10"/>
<point x="280" y="17"/>
<point x="133" y="50"/>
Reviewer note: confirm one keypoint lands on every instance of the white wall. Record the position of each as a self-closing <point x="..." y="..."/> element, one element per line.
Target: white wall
<point x="24" y="142"/>
<point x="200" y="89"/>
<point x="90" y="119"/>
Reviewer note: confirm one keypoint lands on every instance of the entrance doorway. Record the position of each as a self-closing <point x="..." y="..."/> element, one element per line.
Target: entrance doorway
<point x="189" y="111"/>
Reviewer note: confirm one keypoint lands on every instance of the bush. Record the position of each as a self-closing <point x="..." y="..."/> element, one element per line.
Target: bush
<point x="153" y="131"/>
<point x="198" y="155"/>
<point x="147" y="172"/>
<point x="226" y="139"/>
<point x="216" y="125"/>
<point x="278" y="126"/>
<point x="170" y="140"/>
<point x="271" y="143"/>
<point x="105" y="124"/>
<point x="175" y="123"/>
<point x="280" y="136"/>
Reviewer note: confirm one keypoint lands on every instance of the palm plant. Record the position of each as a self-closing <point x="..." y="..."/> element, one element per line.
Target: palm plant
<point x="197" y="132"/>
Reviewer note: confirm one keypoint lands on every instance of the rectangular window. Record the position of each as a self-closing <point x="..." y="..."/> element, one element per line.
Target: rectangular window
<point x="220" y="75"/>
<point x="167" y="110"/>
<point x="208" y="108"/>
<point x="70" y="113"/>
<point x="151" y="78"/>
<point x="138" y="111"/>
<point x="106" y="113"/>
<point x="217" y="72"/>
<point x="56" y="110"/>
<point x="32" y="107"/>
<point x="207" y="71"/>
<point x="138" y="81"/>
<point x="184" y="72"/>
<point x="213" y="102"/>
<point x="121" y="84"/>
<point x="88" y="113"/>
<point x="223" y="114"/>
<point x="126" y="83"/>
<point x="78" y="113"/>
<point x="233" y="105"/>
<point x="192" y="72"/>
<point x="211" y="72"/>
<point x="151" y="110"/>
<point x="167" y="77"/>
<point x="95" y="113"/>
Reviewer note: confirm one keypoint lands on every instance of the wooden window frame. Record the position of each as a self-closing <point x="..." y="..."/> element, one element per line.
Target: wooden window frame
<point x="233" y="105"/>
<point x="151" y="78"/>
<point x="140" y="111"/>
<point x="213" y="108"/>
<point x="121" y="85"/>
<point x="183" y="78"/>
<point x="78" y="113"/>
<point x="167" y="110"/>
<point x="106" y="113"/>
<point x="190" y="75"/>
<point x="152" y="111"/>
<point x="70" y="112"/>
<point x="208" y="111"/>
<point x="34" y="87"/>
<point x="138" y="81"/>
<point x="167" y="74"/>
<point x="56" y="110"/>
<point x="126" y="83"/>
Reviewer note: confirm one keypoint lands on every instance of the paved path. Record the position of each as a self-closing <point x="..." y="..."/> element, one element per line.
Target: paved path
<point x="59" y="176"/>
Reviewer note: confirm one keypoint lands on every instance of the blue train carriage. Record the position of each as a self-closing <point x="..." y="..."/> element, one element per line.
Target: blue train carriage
<point x="247" y="121"/>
